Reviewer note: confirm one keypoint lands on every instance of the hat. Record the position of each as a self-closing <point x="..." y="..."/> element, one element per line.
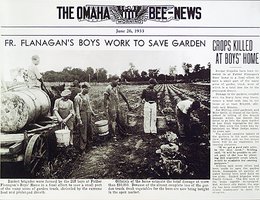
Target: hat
<point x="86" y="85"/>
<point x="114" y="77"/>
<point x="153" y="81"/>
<point x="65" y="93"/>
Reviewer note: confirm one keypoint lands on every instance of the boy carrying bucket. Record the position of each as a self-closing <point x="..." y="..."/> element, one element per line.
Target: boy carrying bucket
<point x="64" y="111"/>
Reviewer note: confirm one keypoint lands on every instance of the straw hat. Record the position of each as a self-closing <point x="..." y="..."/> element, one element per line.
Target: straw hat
<point x="65" y="93"/>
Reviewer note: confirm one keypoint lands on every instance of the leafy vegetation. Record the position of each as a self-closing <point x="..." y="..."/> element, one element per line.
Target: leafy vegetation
<point x="191" y="74"/>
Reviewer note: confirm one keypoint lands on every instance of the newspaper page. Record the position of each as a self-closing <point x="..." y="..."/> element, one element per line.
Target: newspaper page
<point x="130" y="100"/>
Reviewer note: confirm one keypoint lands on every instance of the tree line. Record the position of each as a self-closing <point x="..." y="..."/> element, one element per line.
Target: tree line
<point x="132" y="74"/>
<point x="70" y="74"/>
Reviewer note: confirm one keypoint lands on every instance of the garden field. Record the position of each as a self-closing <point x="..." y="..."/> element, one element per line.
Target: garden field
<point x="140" y="155"/>
<point x="146" y="156"/>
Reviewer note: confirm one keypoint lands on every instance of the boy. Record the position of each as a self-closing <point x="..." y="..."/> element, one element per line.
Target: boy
<point x="183" y="113"/>
<point x="111" y="103"/>
<point x="150" y="100"/>
<point x="34" y="76"/>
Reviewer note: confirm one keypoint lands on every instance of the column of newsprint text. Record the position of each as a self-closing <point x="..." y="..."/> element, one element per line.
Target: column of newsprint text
<point x="235" y="129"/>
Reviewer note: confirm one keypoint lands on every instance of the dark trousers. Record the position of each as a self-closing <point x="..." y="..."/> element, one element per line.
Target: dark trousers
<point x="85" y="130"/>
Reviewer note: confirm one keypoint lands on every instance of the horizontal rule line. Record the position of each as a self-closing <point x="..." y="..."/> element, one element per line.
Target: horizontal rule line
<point x="166" y="27"/>
<point x="8" y="35"/>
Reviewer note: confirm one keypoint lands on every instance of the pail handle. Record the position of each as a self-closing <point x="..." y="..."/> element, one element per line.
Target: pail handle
<point x="63" y="126"/>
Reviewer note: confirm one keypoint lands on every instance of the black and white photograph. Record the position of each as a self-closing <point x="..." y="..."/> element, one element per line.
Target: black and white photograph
<point x="105" y="115"/>
<point x="129" y="100"/>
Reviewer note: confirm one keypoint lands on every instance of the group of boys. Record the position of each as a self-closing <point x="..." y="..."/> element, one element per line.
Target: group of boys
<point x="149" y="98"/>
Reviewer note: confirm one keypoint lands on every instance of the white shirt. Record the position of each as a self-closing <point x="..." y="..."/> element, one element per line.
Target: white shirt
<point x="33" y="76"/>
<point x="184" y="106"/>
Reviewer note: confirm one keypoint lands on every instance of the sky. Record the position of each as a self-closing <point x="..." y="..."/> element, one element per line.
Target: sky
<point x="115" y="61"/>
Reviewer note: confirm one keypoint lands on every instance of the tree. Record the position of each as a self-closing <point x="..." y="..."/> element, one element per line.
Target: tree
<point x="89" y="73"/>
<point x="136" y="74"/>
<point x="196" y="68"/>
<point x="186" y="67"/>
<point x="161" y="77"/>
<point x="78" y="74"/>
<point x="144" y="74"/>
<point x="69" y="74"/>
<point x="173" y="70"/>
<point x="153" y="73"/>
<point x="51" y="76"/>
<point x="131" y="74"/>
<point x="100" y="75"/>
<point x="209" y="65"/>
<point x="125" y="76"/>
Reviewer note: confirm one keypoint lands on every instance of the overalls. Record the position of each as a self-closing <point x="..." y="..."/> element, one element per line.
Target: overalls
<point x="85" y="128"/>
<point x="64" y="110"/>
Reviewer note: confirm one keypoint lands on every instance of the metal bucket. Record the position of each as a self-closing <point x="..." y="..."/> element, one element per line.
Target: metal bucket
<point x="63" y="137"/>
<point x="161" y="122"/>
<point x="102" y="127"/>
<point x="131" y="119"/>
<point x="20" y="107"/>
